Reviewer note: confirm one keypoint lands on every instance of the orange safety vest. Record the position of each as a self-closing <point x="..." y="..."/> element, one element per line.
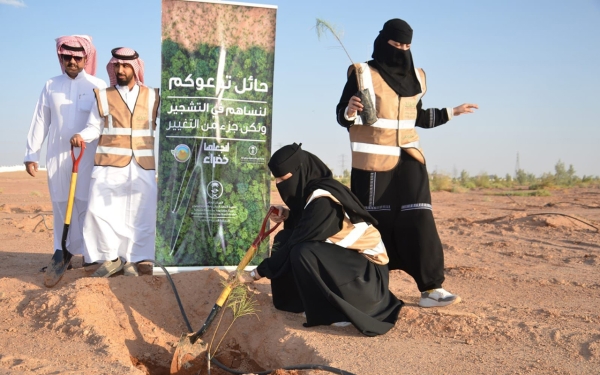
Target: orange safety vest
<point x="126" y="134"/>
<point x="362" y="237"/>
<point x="377" y="147"/>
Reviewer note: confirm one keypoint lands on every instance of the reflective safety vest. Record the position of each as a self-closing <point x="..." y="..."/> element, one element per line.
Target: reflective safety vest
<point x="362" y="237"/>
<point x="377" y="147"/>
<point x="125" y="134"/>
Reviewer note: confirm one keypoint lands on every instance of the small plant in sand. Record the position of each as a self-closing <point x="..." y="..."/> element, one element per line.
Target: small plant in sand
<point x="36" y="193"/>
<point x="240" y="303"/>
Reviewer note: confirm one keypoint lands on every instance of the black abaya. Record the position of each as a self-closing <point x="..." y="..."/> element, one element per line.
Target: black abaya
<point x="328" y="282"/>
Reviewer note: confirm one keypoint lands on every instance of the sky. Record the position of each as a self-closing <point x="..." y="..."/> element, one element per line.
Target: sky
<point x="531" y="66"/>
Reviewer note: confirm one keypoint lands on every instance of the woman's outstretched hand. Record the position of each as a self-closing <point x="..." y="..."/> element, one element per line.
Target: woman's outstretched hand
<point x="464" y="108"/>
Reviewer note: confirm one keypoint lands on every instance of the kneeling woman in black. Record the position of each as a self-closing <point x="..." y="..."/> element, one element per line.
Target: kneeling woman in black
<point x="329" y="260"/>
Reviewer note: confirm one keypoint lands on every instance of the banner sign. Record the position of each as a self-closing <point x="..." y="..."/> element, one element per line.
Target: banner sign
<point x="215" y="130"/>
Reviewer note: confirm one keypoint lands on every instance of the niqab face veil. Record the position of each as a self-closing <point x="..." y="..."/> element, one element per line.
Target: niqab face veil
<point x="395" y="65"/>
<point x="304" y="168"/>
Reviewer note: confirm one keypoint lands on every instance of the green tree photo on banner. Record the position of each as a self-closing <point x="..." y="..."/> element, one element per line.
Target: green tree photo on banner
<point x="215" y="130"/>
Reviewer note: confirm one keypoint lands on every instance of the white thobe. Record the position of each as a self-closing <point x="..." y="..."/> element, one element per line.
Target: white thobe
<point x="121" y="217"/>
<point x="61" y="111"/>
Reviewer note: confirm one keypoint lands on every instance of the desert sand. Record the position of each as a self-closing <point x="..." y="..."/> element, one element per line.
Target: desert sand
<point x="527" y="269"/>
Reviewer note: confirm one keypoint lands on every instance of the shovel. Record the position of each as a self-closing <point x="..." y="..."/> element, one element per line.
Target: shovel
<point x="189" y="352"/>
<point x="62" y="258"/>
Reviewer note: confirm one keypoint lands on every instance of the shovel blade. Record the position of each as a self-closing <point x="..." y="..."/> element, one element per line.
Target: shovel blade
<point x="189" y="358"/>
<point x="57" y="267"/>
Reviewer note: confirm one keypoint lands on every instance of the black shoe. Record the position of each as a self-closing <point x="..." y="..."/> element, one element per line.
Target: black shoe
<point x="60" y="262"/>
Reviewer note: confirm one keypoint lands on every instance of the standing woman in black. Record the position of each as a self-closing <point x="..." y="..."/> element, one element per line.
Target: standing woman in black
<point x="389" y="174"/>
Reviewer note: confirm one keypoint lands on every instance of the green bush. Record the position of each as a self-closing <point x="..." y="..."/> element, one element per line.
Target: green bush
<point x="440" y="182"/>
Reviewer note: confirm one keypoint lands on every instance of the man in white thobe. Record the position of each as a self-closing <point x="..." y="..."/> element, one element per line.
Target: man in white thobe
<point x="120" y="224"/>
<point x="62" y="109"/>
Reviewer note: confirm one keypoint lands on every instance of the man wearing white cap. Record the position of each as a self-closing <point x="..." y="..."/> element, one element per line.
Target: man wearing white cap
<point x="120" y="223"/>
<point x="62" y="109"/>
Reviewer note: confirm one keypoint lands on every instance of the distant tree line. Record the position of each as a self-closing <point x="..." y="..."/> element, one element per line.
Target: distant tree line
<point x="562" y="177"/>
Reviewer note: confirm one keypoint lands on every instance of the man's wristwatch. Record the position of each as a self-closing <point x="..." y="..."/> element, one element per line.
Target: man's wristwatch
<point x="255" y="275"/>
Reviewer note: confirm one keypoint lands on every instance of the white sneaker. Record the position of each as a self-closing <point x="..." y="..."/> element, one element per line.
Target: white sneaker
<point x="438" y="298"/>
<point x="341" y="324"/>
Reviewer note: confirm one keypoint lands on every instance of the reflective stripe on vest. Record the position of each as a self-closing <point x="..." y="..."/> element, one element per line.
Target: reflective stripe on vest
<point x="377" y="147"/>
<point x="362" y="237"/>
<point x="123" y="151"/>
<point x="126" y="134"/>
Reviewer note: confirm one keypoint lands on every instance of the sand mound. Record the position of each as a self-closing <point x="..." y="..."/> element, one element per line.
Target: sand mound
<point x="133" y="320"/>
<point x="528" y="281"/>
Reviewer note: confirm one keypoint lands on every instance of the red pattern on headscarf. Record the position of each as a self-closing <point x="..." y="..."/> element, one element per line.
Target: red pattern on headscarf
<point x="137" y="64"/>
<point x="78" y="41"/>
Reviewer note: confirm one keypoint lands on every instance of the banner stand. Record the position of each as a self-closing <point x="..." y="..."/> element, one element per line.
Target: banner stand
<point x="157" y="271"/>
<point x="214" y="143"/>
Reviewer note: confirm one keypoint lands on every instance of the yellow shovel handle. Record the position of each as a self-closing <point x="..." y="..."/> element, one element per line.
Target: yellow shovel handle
<point x="247" y="258"/>
<point x="71" y="198"/>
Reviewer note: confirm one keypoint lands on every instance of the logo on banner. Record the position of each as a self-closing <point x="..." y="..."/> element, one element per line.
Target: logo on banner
<point x="214" y="189"/>
<point x="182" y="153"/>
<point x="252" y="156"/>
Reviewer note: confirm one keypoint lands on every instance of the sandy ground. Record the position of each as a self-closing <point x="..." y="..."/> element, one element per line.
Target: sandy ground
<point x="528" y="277"/>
